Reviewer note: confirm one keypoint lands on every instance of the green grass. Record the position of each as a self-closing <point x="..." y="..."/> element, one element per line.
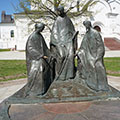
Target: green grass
<point x="112" y="66"/>
<point x="15" y="69"/>
<point x="12" y="69"/>
<point x="3" y="50"/>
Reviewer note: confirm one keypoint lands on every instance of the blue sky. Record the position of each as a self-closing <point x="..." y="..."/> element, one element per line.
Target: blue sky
<point x="7" y="5"/>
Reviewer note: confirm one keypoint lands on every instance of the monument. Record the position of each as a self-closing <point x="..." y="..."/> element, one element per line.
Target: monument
<point x="52" y="75"/>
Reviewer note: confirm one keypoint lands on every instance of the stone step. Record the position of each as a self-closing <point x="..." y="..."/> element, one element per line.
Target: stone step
<point x="112" y="43"/>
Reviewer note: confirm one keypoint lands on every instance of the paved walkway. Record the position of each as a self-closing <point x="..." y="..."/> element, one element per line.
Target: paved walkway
<point x="15" y="55"/>
<point x="9" y="88"/>
<point x="112" y="53"/>
<point x="12" y="55"/>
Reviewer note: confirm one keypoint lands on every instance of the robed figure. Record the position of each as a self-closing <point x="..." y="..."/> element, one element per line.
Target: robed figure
<point x="37" y="59"/>
<point x="91" y="59"/>
<point x="63" y="44"/>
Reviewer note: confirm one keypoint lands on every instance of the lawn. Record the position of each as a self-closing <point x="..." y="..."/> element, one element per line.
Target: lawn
<point x="14" y="69"/>
<point x="112" y="66"/>
<point x="4" y="50"/>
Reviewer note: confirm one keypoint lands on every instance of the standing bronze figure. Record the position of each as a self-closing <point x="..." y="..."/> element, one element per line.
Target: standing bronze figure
<point x="37" y="58"/>
<point x="91" y="56"/>
<point x="63" y="44"/>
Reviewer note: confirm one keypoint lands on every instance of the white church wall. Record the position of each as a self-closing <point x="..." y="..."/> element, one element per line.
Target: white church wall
<point x="109" y="16"/>
<point x="22" y="31"/>
<point x="6" y="41"/>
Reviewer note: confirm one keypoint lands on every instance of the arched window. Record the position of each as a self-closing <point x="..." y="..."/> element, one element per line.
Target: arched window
<point x="12" y="33"/>
<point x="97" y="28"/>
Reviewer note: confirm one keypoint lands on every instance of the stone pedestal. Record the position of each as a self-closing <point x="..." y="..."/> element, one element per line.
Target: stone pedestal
<point x="100" y="110"/>
<point x="65" y="100"/>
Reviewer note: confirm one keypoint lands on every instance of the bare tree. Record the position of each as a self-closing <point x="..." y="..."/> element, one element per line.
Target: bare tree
<point x="46" y="9"/>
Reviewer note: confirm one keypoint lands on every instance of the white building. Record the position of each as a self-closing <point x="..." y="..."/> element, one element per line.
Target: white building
<point x="14" y="34"/>
<point x="108" y="18"/>
<point x="22" y="30"/>
<point x="7" y="32"/>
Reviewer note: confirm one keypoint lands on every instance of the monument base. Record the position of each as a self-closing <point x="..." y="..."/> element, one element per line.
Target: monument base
<point x="71" y="90"/>
<point x="68" y="100"/>
<point x="65" y="91"/>
<point x="100" y="110"/>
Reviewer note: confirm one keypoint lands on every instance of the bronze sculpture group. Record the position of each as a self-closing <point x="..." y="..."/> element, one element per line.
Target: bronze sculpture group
<point x="45" y="65"/>
<point x="52" y="73"/>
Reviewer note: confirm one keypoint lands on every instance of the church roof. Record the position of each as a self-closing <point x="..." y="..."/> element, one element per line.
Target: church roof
<point x="6" y="18"/>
